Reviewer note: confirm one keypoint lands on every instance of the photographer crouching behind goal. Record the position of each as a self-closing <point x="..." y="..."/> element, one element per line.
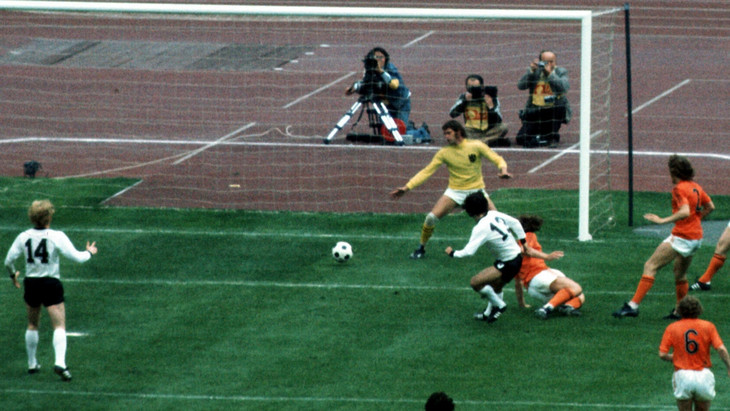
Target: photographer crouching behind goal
<point x="383" y="82"/>
<point x="481" y="111"/>
<point x="547" y="104"/>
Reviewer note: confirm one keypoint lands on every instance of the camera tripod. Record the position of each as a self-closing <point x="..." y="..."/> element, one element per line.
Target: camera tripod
<point x="376" y="110"/>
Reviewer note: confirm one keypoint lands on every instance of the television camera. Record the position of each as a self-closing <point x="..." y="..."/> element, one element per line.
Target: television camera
<point x="369" y="88"/>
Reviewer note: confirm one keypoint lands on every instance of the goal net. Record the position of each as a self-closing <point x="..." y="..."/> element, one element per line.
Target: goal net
<point x="227" y="106"/>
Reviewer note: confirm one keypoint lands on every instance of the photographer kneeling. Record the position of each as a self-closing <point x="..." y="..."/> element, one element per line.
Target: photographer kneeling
<point x="382" y="81"/>
<point x="547" y="105"/>
<point x="481" y="111"/>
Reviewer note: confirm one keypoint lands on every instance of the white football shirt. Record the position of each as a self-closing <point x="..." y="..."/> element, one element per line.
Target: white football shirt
<point x="497" y="231"/>
<point x="41" y="248"/>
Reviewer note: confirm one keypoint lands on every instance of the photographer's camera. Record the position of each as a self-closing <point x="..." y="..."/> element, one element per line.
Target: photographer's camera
<point x="372" y="83"/>
<point x="476" y="92"/>
<point x="370" y="62"/>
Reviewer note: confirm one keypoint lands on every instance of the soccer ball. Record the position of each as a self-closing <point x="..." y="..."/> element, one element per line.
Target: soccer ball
<point x="342" y="252"/>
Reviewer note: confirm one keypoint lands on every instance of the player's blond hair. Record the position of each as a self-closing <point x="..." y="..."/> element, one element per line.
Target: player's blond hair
<point x="40" y="213"/>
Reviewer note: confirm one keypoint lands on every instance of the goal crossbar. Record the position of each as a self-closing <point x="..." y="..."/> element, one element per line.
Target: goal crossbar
<point x="583" y="16"/>
<point x="302" y="11"/>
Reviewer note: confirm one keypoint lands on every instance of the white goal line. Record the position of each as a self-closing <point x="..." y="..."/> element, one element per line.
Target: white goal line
<point x="97" y="140"/>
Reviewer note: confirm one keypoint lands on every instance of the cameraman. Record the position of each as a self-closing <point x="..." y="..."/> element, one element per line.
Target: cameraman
<point x="481" y="111"/>
<point x="387" y="84"/>
<point x="547" y="105"/>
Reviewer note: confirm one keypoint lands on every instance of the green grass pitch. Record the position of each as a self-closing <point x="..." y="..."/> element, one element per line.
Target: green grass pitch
<point x="218" y="310"/>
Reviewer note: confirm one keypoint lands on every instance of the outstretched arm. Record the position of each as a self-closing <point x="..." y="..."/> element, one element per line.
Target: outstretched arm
<point x="683" y="212"/>
<point x="399" y="192"/>
<point x="531" y="252"/>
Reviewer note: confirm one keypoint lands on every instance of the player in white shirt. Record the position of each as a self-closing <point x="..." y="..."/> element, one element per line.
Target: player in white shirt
<point x="41" y="246"/>
<point x="498" y="232"/>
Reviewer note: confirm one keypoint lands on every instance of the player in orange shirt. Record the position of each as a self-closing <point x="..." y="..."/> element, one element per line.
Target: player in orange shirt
<point x="690" y="340"/>
<point x="542" y="282"/>
<point x="690" y="204"/>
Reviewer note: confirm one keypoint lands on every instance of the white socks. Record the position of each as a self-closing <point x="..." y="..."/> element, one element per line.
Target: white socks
<point x="59" y="346"/>
<point x="31" y="345"/>
<point x="493" y="298"/>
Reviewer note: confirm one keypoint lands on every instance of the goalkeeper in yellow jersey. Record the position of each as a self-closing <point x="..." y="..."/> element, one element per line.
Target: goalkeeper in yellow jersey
<point x="463" y="158"/>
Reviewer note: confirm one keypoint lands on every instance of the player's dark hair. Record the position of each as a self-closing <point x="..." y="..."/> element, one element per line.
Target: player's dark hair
<point x="681" y="168"/>
<point x="439" y="401"/>
<point x="456" y="126"/>
<point x="477" y="77"/>
<point x="475" y="204"/>
<point x="530" y="223"/>
<point x="689" y="307"/>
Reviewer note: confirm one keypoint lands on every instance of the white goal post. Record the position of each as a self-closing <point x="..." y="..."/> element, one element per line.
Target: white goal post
<point x="585" y="17"/>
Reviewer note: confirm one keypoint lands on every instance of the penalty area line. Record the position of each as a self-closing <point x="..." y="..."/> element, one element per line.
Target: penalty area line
<point x="660" y="96"/>
<point x="325" y="87"/>
<point x="214" y="143"/>
<point x="416" y="40"/>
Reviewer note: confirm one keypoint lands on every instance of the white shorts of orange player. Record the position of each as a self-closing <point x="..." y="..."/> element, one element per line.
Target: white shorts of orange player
<point x="539" y="286"/>
<point x="694" y="385"/>
<point x="685" y="248"/>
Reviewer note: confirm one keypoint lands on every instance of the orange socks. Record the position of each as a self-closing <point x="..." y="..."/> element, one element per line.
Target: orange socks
<point x="575" y="303"/>
<point x="561" y="297"/>
<point x="682" y="288"/>
<point x="716" y="264"/>
<point x="645" y="285"/>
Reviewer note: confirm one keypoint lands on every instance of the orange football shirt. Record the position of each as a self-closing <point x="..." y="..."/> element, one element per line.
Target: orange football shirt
<point x="689" y="192"/>
<point x="691" y="339"/>
<point x="531" y="266"/>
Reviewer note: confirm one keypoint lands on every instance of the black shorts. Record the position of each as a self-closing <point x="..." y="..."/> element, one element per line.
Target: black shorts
<point x="509" y="269"/>
<point x="43" y="290"/>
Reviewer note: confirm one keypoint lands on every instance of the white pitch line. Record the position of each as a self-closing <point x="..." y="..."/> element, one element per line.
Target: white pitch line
<point x="258" y="234"/>
<point x="412" y="42"/>
<point x="664" y="94"/>
<point x="486" y="404"/>
<point x="117" y="194"/>
<point x="364" y="147"/>
<point x="554" y="158"/>
<point x="325" y="87"/>
<point x="327" y="286"/>
<point x="214" y="143"/>
<point x="561" y="153"/>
